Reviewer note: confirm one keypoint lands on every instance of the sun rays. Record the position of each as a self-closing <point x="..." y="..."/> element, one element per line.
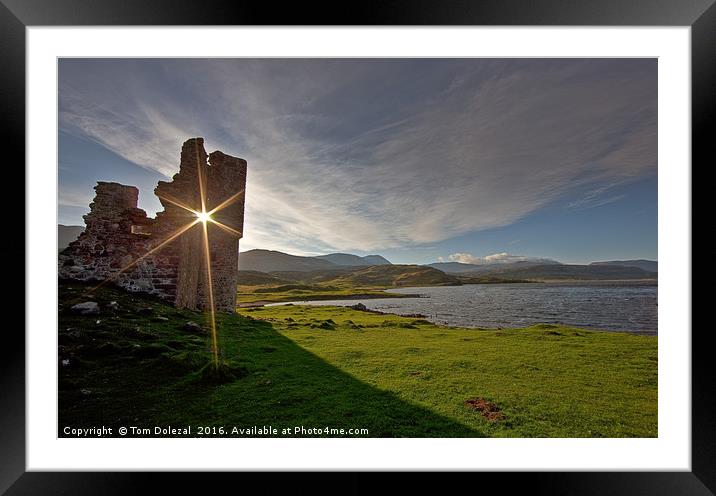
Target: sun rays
<point x="210" y="291"/>
<point x="207" y="216"/>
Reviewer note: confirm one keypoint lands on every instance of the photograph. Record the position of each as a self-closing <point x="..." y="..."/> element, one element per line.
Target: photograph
<point x="357" y="247"/>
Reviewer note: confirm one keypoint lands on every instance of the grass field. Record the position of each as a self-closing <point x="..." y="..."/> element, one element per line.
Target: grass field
<point x="248" y="295"/>
<point x="335" y="367"/>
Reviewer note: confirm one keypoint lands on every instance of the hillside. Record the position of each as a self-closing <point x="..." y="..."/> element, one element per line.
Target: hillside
<point x="647" y="265"/>
<point x="314" y="276"/>
<point x="455" y="267"/>
<point x="374" y="275"/>
<point x="578" y="272"/>
<point x="272" y="261"/>
<point x="67" y="234"/>
<point x="463" y="268"/>
<point x="256" y="278"/>
<point x="340" y="283"/>
<point x="276" y="261"/>
<point x="353" y="260"/>
<point x="397" y="275"/>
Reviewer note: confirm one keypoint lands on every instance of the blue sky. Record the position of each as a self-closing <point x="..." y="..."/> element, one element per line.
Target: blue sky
<point x="474" y="160"/>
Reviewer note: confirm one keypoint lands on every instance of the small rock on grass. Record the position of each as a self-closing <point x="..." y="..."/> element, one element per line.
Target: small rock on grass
<point x="193" y="327"/>
<point x="86" y="308"/>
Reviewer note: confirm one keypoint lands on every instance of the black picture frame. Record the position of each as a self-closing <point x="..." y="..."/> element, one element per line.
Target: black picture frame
<point x="16" y="15"/>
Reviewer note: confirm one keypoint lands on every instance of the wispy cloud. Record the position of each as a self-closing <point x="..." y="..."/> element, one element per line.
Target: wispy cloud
<point x="367" y="155"/>
<point x="597" y="197"/>
<point x="70" y="198"/>
<point x="496" y="258"/>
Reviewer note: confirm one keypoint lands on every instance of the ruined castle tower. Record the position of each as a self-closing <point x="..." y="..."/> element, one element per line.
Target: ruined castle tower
<point x="121" y="244"/>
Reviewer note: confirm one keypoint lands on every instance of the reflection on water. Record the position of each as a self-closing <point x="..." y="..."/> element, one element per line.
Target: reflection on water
<point x="609" y="306"/>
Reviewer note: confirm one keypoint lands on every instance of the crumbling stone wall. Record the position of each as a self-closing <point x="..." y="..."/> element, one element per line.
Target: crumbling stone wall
<point x="119" y="235"/>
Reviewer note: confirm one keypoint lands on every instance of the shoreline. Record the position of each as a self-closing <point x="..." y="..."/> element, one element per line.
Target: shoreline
<point x="357" y="296"/>
<point x="359" y="307"/>
<point x="444" y="325"/>
<point x="385" y="294"/>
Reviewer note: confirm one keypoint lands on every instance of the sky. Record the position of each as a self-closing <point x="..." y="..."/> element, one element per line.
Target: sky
<point x="418" y="160"/>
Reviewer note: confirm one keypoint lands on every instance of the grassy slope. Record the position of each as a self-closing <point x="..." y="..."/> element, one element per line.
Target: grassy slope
<point x="556" y="272"/>
<point x="368" y="281"/>
<point x="392" y="375"/>
<point x="248" y="295"/>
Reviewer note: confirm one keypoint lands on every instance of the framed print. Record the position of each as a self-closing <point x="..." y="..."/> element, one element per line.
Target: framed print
<point x="414" y="238"/>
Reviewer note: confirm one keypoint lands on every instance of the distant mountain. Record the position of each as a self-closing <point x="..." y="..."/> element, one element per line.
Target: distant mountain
<point x="464" y="268"/>
<point x="67" y="234"/>
<point x="276" y="261"/>
<point x="397" y="275"/>
<point x="647" y="265"/>
<point x="376" y="260"/>
<point x="455" y="267"/>
<point x="354" y="260"/>
<point x="566" y="272"/>
<point x="314" y="276"/>
<point x="374" y="275"/>
<point x="273" y="261"/>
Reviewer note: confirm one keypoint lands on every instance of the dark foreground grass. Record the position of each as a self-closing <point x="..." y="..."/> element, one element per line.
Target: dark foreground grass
<point x="334" y="367"/>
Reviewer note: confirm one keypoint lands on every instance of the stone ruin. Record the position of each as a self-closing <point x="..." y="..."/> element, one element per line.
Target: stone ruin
<point x="120" y="235"/>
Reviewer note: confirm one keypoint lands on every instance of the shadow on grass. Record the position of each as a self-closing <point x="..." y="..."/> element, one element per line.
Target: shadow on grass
<point x="282" y="385"/>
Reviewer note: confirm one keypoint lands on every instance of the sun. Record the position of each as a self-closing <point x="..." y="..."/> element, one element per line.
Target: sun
<point x="203" y="216"/>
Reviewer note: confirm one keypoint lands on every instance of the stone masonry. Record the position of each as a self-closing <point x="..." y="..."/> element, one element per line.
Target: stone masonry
<point x="119" y="235"/>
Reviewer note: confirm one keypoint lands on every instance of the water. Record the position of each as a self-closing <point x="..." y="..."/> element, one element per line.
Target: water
<point x="630" y="307"/>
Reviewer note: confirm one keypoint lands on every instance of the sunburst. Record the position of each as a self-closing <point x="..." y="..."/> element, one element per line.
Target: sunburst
<point x="203" y="216"/>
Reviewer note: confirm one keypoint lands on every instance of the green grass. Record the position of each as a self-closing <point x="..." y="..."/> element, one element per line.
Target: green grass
<point x="265" y="294"/>
<point x="337" y="367"/>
